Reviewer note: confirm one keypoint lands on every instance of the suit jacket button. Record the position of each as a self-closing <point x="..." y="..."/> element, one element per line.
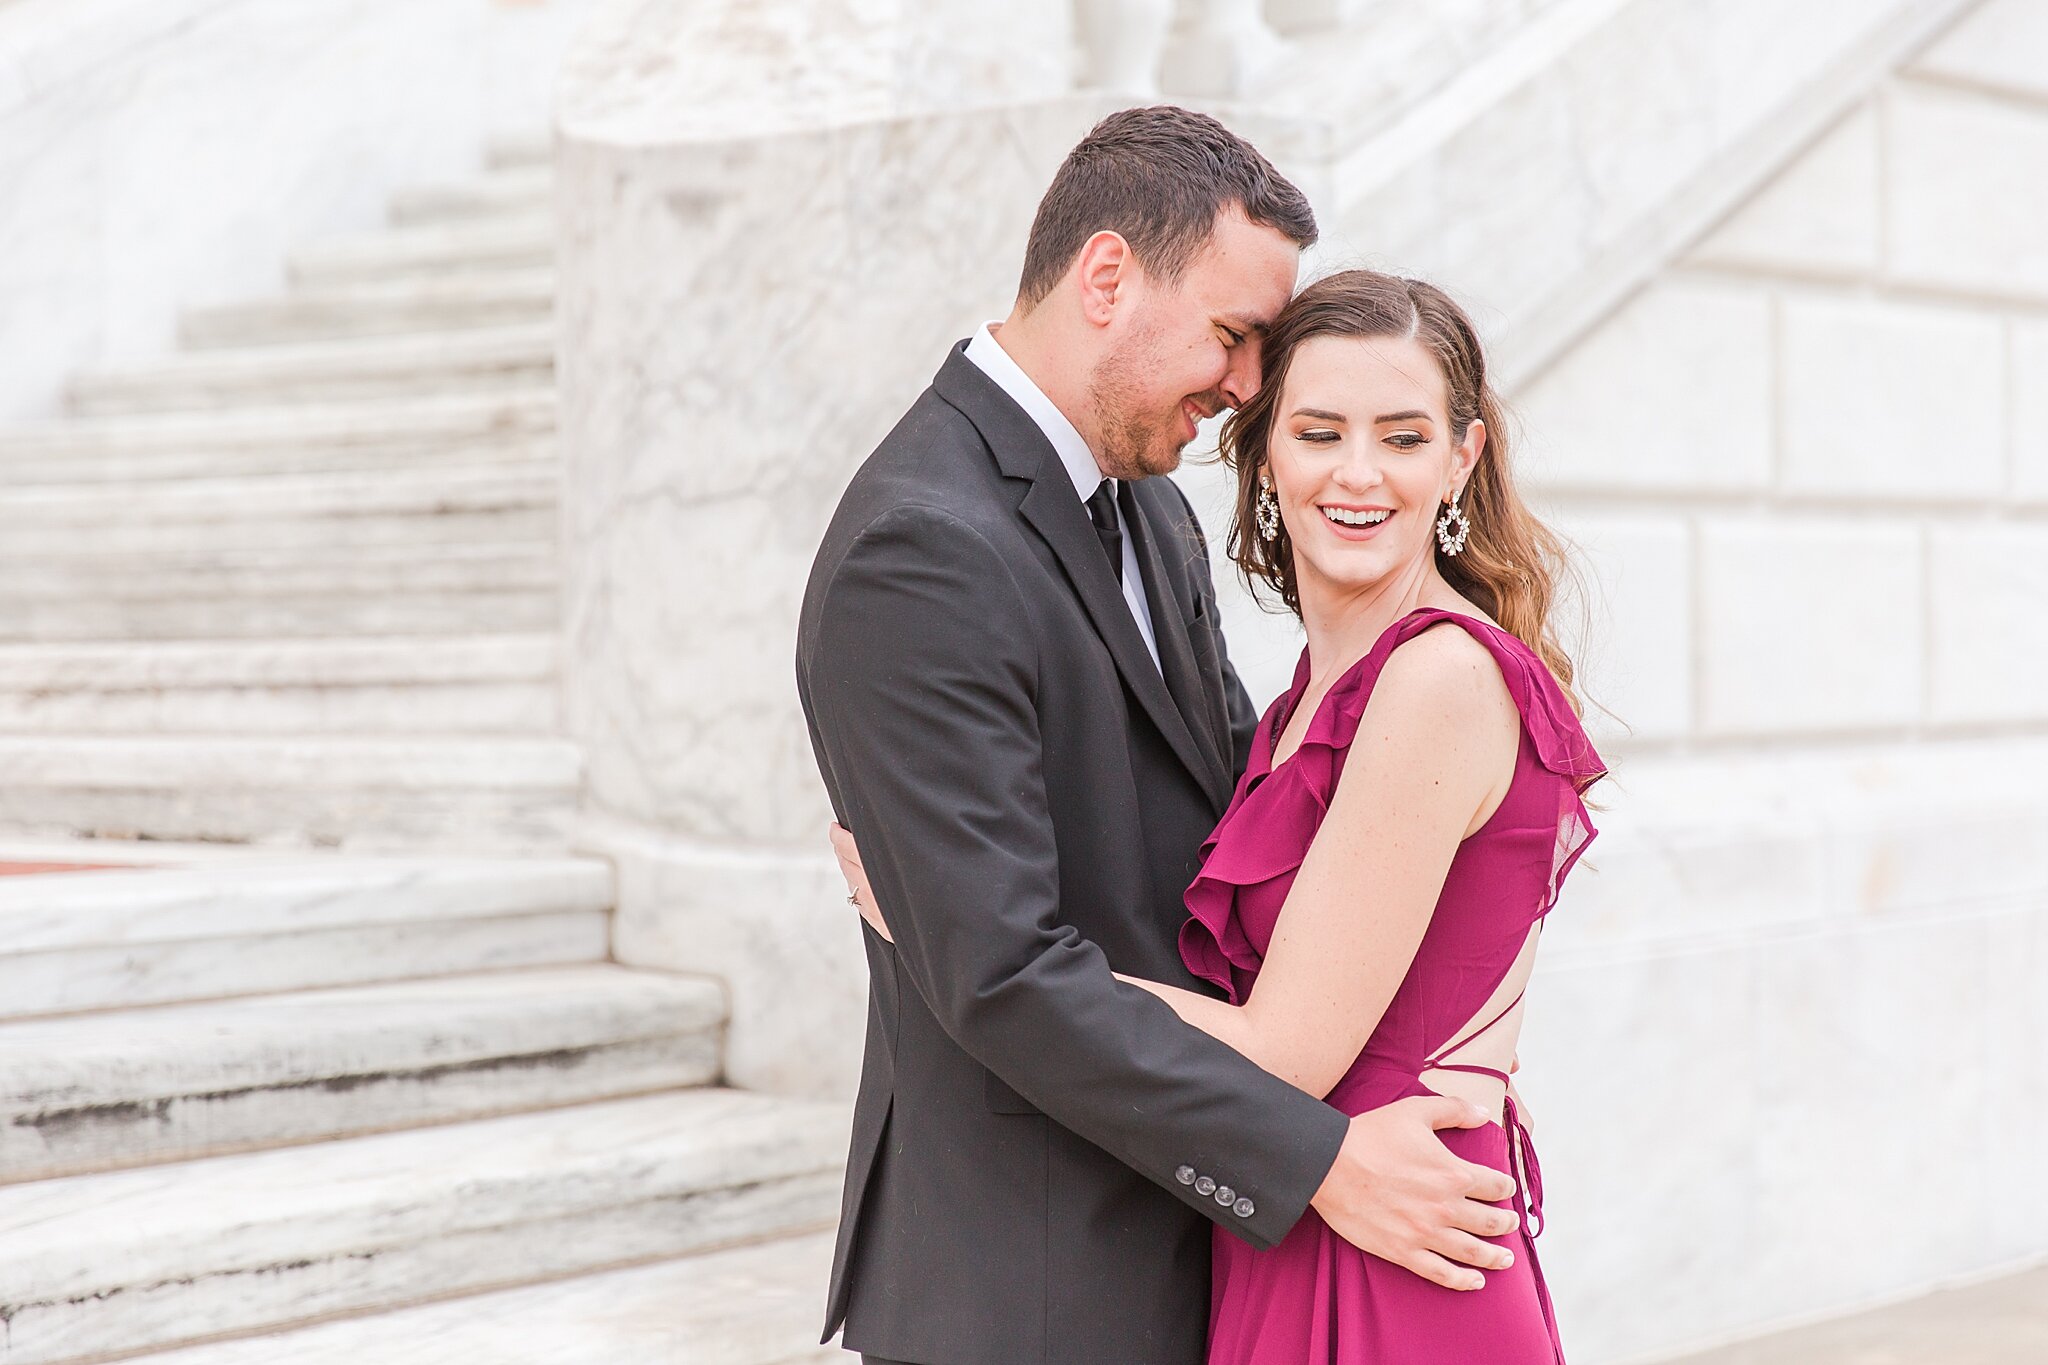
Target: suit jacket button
<point x="1243" y="1208"/>
<point x="1185" y="1175"/>
<point x="1205" y="1187"/>
<point x="1225" y="1195"/>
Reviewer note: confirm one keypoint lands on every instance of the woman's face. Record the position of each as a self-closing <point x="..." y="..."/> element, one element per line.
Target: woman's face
<point x="1362" y="460"/>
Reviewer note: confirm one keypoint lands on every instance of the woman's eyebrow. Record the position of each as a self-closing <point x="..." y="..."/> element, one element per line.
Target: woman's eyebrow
<point x="1322" y="413"/>
<point x="1408" y="415"/>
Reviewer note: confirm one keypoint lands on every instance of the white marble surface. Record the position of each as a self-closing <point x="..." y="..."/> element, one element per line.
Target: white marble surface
<point x="772" y="926"/>
<point x="470" y="360"/>
<point x="2029" y="393"/>
<point x="654" y="70"/>
<point x="132" y="1087"/>
<point x="155" y="1256"/>
<point x="493" y="684"/>
<point x="1818" y="216"/>
<point x="706" y="449"/>
<point x="1784" y="648"/>
<point x="751" y="1305"/>
<point x="1764" y="1130"/>
<point x="170" y="897"/>
<point x="353" y="792"/>
<point x="378" y="308"/>
<point x="1988" y="633"/>
<point x="1626" y="617"/>
<point x="1598" y="144"/>
<point x="1995" y="248"/>
<point x="1672" y="394"/>
<point x="404" y="429"/>
<point x="199" y="922"/>
<point x="1857" y="379"/>
<point x="524" y="240"/>
<point x="1993" y="47"/>
<point x="497" y="196"/>
<point x="163" y="154"/>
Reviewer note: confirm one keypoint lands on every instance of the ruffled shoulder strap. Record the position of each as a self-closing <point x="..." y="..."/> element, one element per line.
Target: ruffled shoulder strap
<point x="1560" y="740"/>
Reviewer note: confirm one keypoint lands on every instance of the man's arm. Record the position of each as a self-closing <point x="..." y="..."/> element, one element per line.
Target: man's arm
<point x="922" y="681"/>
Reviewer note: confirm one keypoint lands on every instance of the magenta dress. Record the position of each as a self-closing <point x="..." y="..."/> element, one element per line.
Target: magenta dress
<point x="1316" y="1298"/>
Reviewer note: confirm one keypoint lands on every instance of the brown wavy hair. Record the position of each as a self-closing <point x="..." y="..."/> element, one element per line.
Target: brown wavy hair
<point x="1512" y="563"/>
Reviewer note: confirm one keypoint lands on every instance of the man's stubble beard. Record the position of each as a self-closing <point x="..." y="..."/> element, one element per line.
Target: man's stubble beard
<point x="1133" y="445"/>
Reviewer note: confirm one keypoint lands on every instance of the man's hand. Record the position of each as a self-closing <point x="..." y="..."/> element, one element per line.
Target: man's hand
<point x="1397" y="1192"/>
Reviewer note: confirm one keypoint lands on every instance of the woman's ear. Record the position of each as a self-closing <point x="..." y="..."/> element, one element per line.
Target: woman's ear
<point x="1469" y="451"/>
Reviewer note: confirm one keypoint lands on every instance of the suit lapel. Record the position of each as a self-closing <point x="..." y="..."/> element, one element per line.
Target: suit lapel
<point x="1170" y="632"/>
<point x="1051" y="508"/>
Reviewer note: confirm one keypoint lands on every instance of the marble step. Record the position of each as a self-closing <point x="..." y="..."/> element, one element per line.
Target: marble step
<point x="492" y="245"/>
<point x="429" y="303"/>
<point x="239" y="615"/>
<point x="507" y="429"/>
<point x="341" y="509"/>
<point x="260" y="573"/>
<point x="357" y="792"/>
<point x="186" y="924"/>
<point x="512" y="451"/>
<point x="476" y="360"/>
<point x="759" y="1304"/>
<point x="516" y="191"/>
<point x="92" y="1265"/>
<point x="486" y="683"/>
<point x="116" y="1088"/>
<point x="509" y="150"/>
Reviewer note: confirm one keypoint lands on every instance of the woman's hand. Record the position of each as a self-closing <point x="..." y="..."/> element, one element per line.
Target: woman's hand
<point x="858" y="891"/>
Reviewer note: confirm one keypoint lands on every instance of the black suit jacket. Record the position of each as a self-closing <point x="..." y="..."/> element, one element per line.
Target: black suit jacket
<point x="1030" y="796"/>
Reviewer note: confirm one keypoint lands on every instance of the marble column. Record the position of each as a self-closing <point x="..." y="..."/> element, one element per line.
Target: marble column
<point x="1306" y="16"/>
<point x="1121" y="43"/>
<point x="1218" y="48"/>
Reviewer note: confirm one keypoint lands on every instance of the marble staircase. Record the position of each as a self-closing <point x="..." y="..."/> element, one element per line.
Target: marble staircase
<point x="324" y="1056"/>
<point x="297" y="581"/>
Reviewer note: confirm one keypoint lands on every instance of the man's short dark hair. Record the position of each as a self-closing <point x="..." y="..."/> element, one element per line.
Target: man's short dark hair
<point x="1158" y="177"/>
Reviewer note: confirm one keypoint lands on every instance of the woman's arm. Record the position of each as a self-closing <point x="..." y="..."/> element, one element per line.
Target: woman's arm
<point x="1435" y="747"/>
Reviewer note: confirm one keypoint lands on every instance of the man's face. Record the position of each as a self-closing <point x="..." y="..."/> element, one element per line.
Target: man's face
<point x="1190" y="349"/>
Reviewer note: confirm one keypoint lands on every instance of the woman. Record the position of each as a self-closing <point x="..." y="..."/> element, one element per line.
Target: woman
<point x="1371" y="900"/>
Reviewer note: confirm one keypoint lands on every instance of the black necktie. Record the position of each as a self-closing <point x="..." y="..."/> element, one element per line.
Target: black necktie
<point x="1102" y="511"/>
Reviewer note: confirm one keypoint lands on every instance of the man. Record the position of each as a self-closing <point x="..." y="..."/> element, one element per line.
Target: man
<point x="1019" y="697"/>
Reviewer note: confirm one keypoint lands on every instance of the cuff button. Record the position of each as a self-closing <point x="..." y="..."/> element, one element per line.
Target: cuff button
<point x="1185" y="1175"/>
<point x="1205" y="1187"/>
<point x="1243" y="1208"/>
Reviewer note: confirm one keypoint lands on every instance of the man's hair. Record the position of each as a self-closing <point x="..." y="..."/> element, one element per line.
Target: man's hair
<point x="1158" y="177"/>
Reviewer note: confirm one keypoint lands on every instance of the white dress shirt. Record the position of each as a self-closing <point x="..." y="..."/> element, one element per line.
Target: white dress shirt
<point x="1079" y="460"/>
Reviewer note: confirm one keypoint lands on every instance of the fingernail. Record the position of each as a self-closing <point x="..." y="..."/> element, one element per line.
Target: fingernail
<point x="1476" y="1282"/>
<point x="1507" y="1258"/>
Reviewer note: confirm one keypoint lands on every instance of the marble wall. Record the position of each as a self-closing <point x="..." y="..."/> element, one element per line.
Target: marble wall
<point x="1785" y="1051"/>
<point x="743" y="316"/>
<point x="159" y="154"/>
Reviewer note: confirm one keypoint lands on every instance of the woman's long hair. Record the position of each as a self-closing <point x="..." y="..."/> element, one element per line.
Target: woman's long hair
<point x="1511" y="563"/>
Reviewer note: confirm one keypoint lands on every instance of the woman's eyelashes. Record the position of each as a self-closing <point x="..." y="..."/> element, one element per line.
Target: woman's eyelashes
<point x="1400" y="440"/>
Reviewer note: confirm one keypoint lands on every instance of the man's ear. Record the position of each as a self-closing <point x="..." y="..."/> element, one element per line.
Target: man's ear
<point x="1102" y="273"/>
